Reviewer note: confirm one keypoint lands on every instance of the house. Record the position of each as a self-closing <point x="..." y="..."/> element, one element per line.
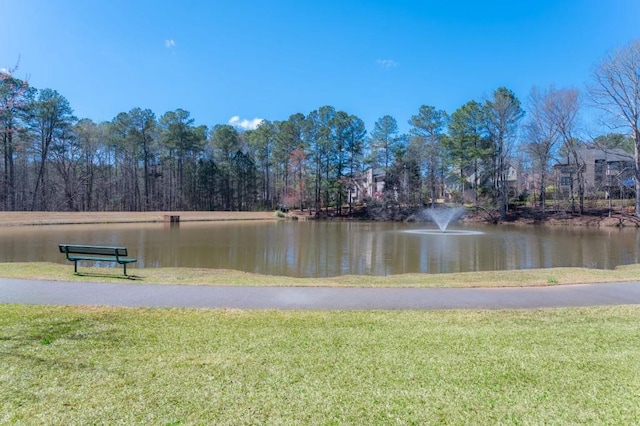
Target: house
<point x="375" y="182"/>
<point x="609" y="170"/>
<point x="514" y="178"/>
<point x="368" y="185"/>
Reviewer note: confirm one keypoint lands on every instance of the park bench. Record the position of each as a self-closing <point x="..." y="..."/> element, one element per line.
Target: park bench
<point x="76" y="253"/>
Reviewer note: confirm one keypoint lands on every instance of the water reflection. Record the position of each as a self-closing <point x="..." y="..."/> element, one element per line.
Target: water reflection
<point x="315" y="249"/>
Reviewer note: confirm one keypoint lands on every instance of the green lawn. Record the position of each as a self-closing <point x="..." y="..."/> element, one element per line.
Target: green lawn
<point x="202" y="276"/>
<point x="63" y="365"/>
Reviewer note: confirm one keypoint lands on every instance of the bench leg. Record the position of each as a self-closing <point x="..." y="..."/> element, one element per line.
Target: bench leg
<point x="125" y="269"/>
<point x="75" y="267"/>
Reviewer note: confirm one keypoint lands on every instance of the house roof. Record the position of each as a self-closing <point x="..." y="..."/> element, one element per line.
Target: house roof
<point x="591" y="155"/>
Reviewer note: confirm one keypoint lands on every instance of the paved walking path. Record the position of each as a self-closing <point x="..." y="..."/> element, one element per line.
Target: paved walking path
<point x="315" y="298"/>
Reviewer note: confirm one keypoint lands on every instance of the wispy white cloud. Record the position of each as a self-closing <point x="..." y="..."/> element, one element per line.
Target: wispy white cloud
<point x="245" y="124"/>
<point x="387" y="64"/>
<point x="5" y="71"/>
<point x="169" y="43"/>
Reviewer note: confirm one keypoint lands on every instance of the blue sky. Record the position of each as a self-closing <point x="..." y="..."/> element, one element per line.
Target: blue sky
<point x="270" y="59"/>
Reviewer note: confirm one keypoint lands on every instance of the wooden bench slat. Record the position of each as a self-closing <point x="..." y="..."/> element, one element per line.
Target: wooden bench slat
<point x="106" y="259"/>
<point x="97" y="250"/>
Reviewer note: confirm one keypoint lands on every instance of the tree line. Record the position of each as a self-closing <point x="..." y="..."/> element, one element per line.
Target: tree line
<point x="52" y="160"/>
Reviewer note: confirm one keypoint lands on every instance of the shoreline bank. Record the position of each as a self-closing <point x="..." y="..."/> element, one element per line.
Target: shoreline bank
<point x="77" y="218"/>
<point x="15" y="218"/>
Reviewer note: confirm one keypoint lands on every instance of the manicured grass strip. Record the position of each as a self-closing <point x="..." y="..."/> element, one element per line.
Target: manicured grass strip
<point x="61" y="365"/>
<point x="528" y="277"/>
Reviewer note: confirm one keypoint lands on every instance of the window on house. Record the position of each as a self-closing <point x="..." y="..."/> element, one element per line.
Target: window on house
<point x="565" y="181"/>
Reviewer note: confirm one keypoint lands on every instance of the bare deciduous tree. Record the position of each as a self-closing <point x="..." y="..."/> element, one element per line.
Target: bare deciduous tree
<point x="541" y="131"/>
<point x="616" y="90"/>
<point x="565" y="112"/>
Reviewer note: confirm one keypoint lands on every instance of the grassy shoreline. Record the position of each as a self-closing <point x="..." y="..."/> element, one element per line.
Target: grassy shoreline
<point x="202" y="276"/>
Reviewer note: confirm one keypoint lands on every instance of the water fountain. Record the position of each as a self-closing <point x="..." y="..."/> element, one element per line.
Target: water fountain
<point x="442" y="217"/>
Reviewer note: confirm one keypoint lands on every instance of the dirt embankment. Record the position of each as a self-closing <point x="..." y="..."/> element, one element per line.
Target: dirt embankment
<point x="615" y="220"/>
<point x="591" y="218"/>
<point x="68" y="218"/>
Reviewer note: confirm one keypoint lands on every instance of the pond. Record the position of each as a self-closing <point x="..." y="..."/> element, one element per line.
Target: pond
<point x="318" y="248"/>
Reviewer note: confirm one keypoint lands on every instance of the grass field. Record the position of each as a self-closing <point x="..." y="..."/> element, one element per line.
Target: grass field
<point x="62" y="365"/>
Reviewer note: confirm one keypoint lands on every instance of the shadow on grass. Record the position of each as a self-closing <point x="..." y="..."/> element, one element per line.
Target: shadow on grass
<point x="103" y="275"/>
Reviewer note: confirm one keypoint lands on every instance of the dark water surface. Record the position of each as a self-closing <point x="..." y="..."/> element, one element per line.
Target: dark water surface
<point x="316" y="249"/>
